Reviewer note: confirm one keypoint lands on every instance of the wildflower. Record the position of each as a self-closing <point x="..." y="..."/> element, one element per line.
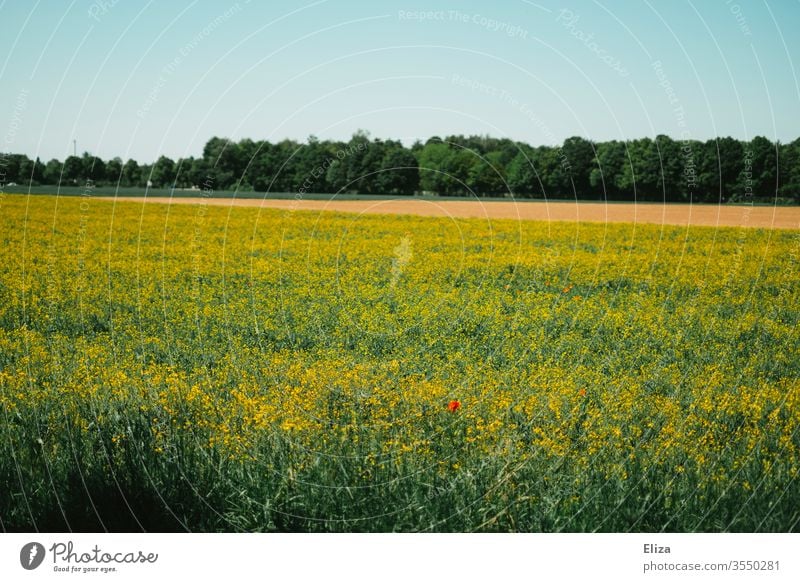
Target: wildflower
<point x="453" y="405"/>
<point x="582" y="392"/>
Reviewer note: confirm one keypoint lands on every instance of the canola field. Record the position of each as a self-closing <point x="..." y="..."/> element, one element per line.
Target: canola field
<point x="234" y="369"/>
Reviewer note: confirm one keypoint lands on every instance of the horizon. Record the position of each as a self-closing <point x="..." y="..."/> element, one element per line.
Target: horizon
<point x="134" y="81"/>
<point x="372" y="138"/>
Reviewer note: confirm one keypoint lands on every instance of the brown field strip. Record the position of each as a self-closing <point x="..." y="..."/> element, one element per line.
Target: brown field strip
<point x="785" y="217"/>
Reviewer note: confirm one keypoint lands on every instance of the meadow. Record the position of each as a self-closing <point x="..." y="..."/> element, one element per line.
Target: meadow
<point x="201" y="368"/>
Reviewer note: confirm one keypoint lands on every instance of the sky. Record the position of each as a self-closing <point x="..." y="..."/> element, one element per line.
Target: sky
<point x="139" y="79"/>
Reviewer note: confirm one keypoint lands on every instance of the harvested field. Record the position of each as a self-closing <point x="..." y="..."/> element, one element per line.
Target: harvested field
<point x="675" y="214"/>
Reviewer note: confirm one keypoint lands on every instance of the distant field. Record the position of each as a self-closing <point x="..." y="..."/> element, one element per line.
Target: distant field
<point x="132" y="192"/>
<point x="787" y="217"/>
<point x="208" y="368"/>
<point x="760" y="215"/>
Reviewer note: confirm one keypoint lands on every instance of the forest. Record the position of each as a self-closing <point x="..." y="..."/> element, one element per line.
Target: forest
<point x="661" y="169"/>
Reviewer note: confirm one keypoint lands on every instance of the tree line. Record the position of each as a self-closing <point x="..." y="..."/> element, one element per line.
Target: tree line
<point x="723" y="169"/>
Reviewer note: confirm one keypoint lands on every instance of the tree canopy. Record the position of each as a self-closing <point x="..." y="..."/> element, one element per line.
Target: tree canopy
<point x="658" y="169"/>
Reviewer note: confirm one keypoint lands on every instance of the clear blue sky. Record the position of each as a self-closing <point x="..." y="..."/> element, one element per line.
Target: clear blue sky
<point x="140" y="79"/>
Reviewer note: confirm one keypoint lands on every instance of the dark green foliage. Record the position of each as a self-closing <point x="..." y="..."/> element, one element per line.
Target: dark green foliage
<point x="645" y="169"/>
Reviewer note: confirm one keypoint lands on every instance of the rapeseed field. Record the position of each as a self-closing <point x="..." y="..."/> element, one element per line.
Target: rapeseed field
<point x="171" y="368"/>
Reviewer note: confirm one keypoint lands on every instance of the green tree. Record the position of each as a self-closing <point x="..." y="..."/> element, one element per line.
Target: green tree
<point x="11" y="168"/>
<point x="73" y="170"/>
<point x="523" y="179"/>
<point x="52" y="172"/>
<point x="608" y="167"/>
<point x="724" y="160"/>
<point x="364" y="161"/>
<point x="94" y="168"/>
<point x="163" y="173"/>
<point x="432" y="159"/>
<point x="131" y="174"/>
<point x="399" y="172"/>
<point x="221" y="162"/>
<point x="114" y="171"/>
<point x="458" y="167"/>
<point x="641" y="176"/>
<point x="311" y="165"/>
<point x="673" y="162"/>
<point x="27" y="170"/>
<point x="553" y="167"/>
<point x="790" y="170"/>
<point x="759" y="176"/>
<point x="487" y="175"/>
<point x="580" y="155"/>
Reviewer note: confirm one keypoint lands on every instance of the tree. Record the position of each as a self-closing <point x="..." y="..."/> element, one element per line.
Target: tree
<point x="523" y="179"/>
<point x="432" y="160"/>
<point x="759" y="176"/>
<point x="487" y="175"/>
<point x="580" y="157"/>
<point x="221" y="163"/>
<point x="445" y="168"/>
<point x="38" y="172"/>
<point x="163" y="173"/>
<point x="399" y="171"/>
<point x="52" y="172"/>
<point x="726" y="158"/>
<point x="695" y="178"/>
<point x="285" y="166"/>
<point x="458" y="166"/>
<point x="239" y="158"/>
<point x="363" y="159"/>
<point x="94" y="168"/>
<point x="336" y="176"/>
<point x="195" y="173"/>
<point x="609" y="164"/>
<point x="11" y="168"/>
<point x="114" y="171"/>
<point x="641" y="177"/>
<point x="790" y="170"/>
<point x="27" y="171"/>
<point x="311" y="165"/>
<point x="73" y="170"/>
<point x="183" y="173"/>
<point x="131" y="174"/>
<point x="552" y="165"/>
<point x="644" y="169"/>
<point x="674" y="163"/>
<point x="262" y="168"/>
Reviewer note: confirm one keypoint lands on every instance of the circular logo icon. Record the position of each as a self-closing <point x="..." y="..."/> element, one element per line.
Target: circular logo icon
<point x="31" y="555"/>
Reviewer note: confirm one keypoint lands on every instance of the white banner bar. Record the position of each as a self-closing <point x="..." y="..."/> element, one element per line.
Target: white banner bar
<point x="382" y="557"/>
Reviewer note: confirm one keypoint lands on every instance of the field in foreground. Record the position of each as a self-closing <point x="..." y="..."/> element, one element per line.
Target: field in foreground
<point x="209" y="368"/>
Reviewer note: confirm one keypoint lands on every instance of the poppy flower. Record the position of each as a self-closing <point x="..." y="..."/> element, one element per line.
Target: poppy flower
<point x="453" y="405"/>
<point x="582" y="392"/>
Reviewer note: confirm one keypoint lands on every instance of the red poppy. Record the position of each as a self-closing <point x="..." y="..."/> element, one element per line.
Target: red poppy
<point x="582" y="391"/>
<point x="453" y="405"/>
